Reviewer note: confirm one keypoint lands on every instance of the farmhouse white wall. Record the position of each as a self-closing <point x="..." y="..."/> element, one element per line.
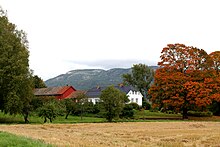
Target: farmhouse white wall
<point x="94" y="100"/>
<point x="133" y="96"/>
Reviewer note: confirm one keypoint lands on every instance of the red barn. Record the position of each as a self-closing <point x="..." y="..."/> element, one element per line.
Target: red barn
<point x="58" y="92"/>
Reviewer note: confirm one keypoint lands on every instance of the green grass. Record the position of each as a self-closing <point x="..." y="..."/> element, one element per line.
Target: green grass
<point x="10" y="140"/>
<point x="140" y="116"/>
<point x="77" y="119"/>
<point x="18" y="119"/>
<point x="149" y="114"/>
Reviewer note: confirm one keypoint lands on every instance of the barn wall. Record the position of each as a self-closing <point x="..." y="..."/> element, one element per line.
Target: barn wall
<point x="67" y="93"/>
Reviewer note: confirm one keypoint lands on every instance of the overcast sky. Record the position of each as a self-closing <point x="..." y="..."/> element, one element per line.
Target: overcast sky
<point x="65" y="35"/>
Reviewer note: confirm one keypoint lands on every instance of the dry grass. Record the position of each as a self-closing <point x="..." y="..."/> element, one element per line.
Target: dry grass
<point x="123" y="134"/>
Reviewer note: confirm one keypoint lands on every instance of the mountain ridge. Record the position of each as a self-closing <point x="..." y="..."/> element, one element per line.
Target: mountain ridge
<point x="84" y="79"/>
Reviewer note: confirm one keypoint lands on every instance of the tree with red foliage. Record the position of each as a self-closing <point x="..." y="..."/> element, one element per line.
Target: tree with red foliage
<point x="182" y="81"/>
<point x="216" y="61"/>
<point x="215" y="83"/>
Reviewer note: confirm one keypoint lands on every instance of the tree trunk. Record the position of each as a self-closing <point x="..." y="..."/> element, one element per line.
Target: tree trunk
<point x="81" y="111"/>
<point x="45" y="119"/>
<point x="51" y="120"/>
<point x="67" y="114"/>
<point x="185" y="116"/>
<point x="26" y="118"/>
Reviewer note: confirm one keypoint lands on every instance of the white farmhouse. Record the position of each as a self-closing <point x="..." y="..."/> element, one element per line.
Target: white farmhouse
<point x="133" y="95"/>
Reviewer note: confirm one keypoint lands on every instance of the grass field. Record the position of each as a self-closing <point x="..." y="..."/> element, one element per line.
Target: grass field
<point x="123" y="134"/>
<point x="18" y="119"/>
<point x="19" y="141"/>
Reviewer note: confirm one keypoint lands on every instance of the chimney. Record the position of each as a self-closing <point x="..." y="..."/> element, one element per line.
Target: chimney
<point x="121" y="85"/>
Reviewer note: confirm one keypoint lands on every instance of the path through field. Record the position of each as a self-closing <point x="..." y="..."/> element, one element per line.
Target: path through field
<point x="123" y="134"/>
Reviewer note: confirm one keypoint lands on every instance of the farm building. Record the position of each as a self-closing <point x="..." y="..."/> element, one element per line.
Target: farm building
<point x="60" y="93"/>
<point x="133" y="95"/>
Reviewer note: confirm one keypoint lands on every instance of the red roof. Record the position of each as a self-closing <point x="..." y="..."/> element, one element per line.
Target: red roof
<point x="51" y="91"/>
<point x="75" y="94"/>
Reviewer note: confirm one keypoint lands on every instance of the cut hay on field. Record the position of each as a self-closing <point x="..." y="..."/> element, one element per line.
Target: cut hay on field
<point x="123" y="134"/>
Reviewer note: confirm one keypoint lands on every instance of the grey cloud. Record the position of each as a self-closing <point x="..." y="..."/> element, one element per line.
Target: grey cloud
<point x="108" y="64"/>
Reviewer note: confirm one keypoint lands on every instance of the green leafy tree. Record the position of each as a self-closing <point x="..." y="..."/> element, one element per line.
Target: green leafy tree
<point x="82" y="100"/>
<point x="38" y="82"/>
<point x="140" y="78"/>
<point x="15" y="76"/>
<point x="71" y="106"/>
<point x="127" y="112"/>
<point x="50" y="109"/>
<point x="113" y="101"/>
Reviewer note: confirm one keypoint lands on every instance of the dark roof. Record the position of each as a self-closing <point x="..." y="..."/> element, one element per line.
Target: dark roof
<point x="96" y="91"/>
<point x="51" y="91"/>
<point x="125" y="89"/>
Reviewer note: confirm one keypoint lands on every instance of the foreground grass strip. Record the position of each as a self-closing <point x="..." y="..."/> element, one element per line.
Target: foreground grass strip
<point x="8" y="140"/>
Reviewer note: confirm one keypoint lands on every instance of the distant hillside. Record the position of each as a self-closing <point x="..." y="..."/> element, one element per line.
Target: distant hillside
<point x="88" y="78"/>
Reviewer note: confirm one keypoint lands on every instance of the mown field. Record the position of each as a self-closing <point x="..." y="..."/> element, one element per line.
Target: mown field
<point x="122" y="134"/>
<point x="146" y="129"/>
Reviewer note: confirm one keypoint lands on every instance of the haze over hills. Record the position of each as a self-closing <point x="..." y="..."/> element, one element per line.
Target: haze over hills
<point x="85" y="79"/>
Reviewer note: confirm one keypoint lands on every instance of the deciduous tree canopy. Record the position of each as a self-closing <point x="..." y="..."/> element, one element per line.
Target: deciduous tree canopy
<point x="15" y="76"/>
<point x="113" y="101"/>
<point x="185" y="79"/>
<point x="140" y="78"/>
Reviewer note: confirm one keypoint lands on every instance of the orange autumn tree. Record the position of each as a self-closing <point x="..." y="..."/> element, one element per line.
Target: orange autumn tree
<point x="216" y="61"/>
<point x="179" y="81"/>
<point x="215" y="83"/>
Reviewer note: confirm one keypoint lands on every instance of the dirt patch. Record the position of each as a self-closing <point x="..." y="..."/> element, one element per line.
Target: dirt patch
<point x="123" y="134"/>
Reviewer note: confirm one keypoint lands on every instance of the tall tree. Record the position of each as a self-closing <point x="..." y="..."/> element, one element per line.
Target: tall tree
<point x="15" y="76"/>
<point x="140" y="78"/>
<point x="182" y="80"/>
<point x="113" y="101"/>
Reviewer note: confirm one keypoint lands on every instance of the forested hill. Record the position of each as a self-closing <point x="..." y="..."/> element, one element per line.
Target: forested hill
<point x="87" y="78"/>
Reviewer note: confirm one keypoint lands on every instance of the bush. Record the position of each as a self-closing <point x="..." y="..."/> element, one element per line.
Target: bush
<point x="199" y="114"/>
<point x="134" y="106"/>
<point x="215" y="108"/>
<point x="127" y="111"/>
<point x="146" y="105"/>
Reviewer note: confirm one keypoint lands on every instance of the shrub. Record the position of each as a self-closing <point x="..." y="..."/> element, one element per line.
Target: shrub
<point x="127" y="111"/>
<point x="215" y="108"/>
<point x="134" y="106"/>
<point x="146" y="105"/>
<point x="200" y="114"/>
